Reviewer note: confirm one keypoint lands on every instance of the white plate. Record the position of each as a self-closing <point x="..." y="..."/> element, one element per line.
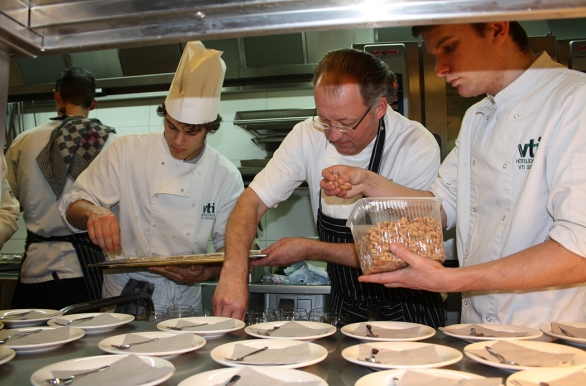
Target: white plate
<point x="425" y="331"/>
<point x="10" y="323"/>
<point x="198" y="342"/>
<point x="75" y="334"/>
<point x="123" y="319"/>
<point x="238" y="324"/>
<point x="251" y="330"/>
<point x="447" y="355"/>
<point x="578" y="362"/>
<point x="6" y="354"/>
<point x="220" y="353"/>
<point x="386" y="377"/>
<point x="546" y="328"/>
<point x="531" y="332"/>
<point x="541" y="375"/>
<point x="40" y="376"/>
<point x="221" y="376"/>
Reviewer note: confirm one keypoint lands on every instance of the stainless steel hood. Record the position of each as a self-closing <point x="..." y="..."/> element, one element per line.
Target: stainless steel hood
<point x="135" y="45"/>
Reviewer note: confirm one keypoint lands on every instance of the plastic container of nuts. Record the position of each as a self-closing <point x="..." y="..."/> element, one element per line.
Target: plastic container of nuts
<point x="413" y="222"/>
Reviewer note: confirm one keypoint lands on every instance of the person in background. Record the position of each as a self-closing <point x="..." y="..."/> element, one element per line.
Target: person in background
<point x="514" y="186"/>
<point x="163" y="193"/>
<point x="353" y="125"/>
<point x="9" y="209"/>
<point x="43" y="163"/>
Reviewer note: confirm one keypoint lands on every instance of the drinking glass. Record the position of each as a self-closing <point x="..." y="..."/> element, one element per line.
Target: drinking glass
<point x="179" y="311"/>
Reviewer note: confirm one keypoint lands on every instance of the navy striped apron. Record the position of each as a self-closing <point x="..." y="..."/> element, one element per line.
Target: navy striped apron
<point x="358" y="302"/>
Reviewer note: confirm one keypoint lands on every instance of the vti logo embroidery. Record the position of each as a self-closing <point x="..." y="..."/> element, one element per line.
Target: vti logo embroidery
<point x="527" y="153"/>
<point x="209" y="211"/>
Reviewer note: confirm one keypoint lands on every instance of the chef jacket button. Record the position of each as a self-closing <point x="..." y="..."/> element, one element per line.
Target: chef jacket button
<point x="156" y="195"/>
<point x="192" y="204"/>
<point x="488" y="319"/>
<point x="162" y="163"/>
<point x="504" y="218"/>
<point x="182" y="190"/>
<point x="153" y="254"/>
<point x="188" y="234"/>
<point x="465" y="302"/>
<point x="473" y="162"/>
<point x="154" y="225"/>
<point x="474" y="210"/>
<point x="516" y="116"/>
<point x="504" y="166"/>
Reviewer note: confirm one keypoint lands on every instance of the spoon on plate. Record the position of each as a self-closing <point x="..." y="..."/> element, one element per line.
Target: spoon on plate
<point x="129" y="345"/>
<point x="71" y="378"/>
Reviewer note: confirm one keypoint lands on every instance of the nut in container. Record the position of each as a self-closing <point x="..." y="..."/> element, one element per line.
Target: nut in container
<point x="413" y="222"/>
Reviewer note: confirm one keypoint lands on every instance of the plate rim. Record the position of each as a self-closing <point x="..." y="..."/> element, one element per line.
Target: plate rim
<point x="232" y="370"/>
<point x="9" y="357"/>
<point x="255" y="342"/>
<point x="108" y="359"/>
<point x="102" y="346"/>
<point x="304" y="338"/>
<point x="548" y="331"/>
<point x="404" y="367"/>
<point x="47" y="345"/>
<point x="377" y="374"/>
<point x="527" y="344"/>
<point x="371" y="339"/>
<point x="547" y="370"/>
<point x="471" y="338"/>
<point x="44" y="319"/>
<point x="51" y="322"/>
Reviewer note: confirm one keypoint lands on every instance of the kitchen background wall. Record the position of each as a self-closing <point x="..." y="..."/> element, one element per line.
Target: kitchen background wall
<point x="291" y="218"/>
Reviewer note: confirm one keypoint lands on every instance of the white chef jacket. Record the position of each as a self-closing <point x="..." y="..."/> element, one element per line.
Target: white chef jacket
<point x="164" y="206"/>
<point x="9" y="209"/>
<point x="39" y="204"/>
<point x="411" y="157"/>
<point x="516" y="178"/>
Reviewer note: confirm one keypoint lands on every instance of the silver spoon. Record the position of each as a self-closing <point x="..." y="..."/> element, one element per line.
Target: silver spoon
<point x="128" y="345"/>
<point x="371" y="357"/>
<point x="244" y="356"/>
<point x="16" y="314"/>
<point x="474" y="333"/>
<point x="233" y="380"/>
<point x="566" y="332"/>
<point x="181" y="328"/>
<point x="20" y="334"/>
<point x="267" y="332"/>
<point x="74" y="321"/>
<point x="71" y="378"/>
<point x="370" y="334"/>
<point x="500" y="357"/>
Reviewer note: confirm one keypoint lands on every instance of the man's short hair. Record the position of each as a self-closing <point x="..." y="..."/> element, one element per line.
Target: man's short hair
<point x="376" y="80"/>
<point x="76" y="86"/>
<point x="516" y="32"/>
<point x="210" y="127"/>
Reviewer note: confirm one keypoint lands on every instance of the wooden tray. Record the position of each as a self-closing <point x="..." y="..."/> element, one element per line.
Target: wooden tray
<point x="154" y="261"/>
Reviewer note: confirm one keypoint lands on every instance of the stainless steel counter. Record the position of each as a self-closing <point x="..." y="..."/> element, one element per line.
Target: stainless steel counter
<point x="334" y="369"/>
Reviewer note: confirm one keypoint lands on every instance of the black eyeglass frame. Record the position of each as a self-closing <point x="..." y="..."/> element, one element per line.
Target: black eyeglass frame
<point x="342" y="129"/>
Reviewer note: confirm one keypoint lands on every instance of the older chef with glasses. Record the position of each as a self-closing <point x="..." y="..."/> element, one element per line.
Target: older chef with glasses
<point x="353" y="125"/>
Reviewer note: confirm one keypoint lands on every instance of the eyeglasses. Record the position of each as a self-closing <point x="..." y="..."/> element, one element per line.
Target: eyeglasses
<point x="343" y="129"/>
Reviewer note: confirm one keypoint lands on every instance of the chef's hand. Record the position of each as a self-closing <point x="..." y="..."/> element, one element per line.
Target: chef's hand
<point x="188" y="275"/>
<point x="422" y="273"/>
<point x="287" y="251"/>
<point x="103" y="228"/>
<point x="231" y="294"/>
<point x="343" y="181"/>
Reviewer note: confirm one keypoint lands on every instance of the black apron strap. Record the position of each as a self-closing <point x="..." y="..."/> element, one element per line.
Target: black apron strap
<point x="87" y="253"/>
<point x="358" y="301"/>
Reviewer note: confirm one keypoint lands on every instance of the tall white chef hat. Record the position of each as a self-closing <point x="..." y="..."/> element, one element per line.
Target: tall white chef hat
<point x="194" y="95"/>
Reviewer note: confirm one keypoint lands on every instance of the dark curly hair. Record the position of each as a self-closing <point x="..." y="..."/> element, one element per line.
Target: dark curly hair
<point x="76" y="86"/>
<point x="210" y="127"/>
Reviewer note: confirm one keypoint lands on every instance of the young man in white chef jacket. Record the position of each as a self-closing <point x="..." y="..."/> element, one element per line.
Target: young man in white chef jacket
<point x="514" y="186"/>
<point x="164" y="193"/>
